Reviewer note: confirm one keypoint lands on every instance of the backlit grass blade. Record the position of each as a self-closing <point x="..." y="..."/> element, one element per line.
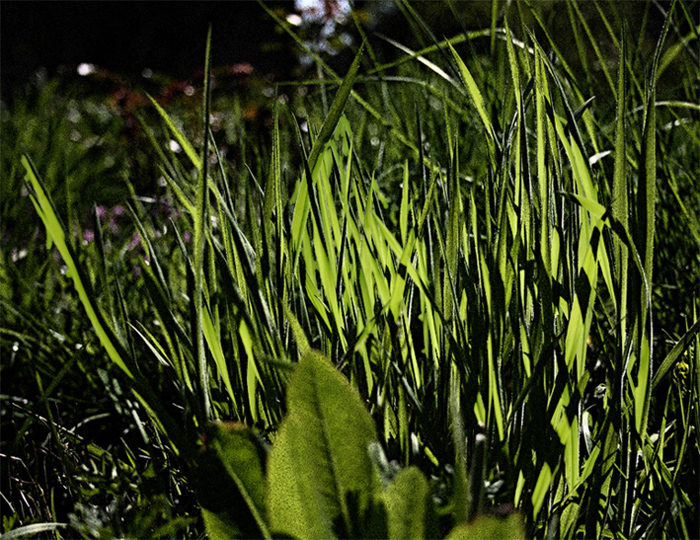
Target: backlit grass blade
<point x="105" y="334"/>
<point x="199" y="243"/>
<point x="180" y="137"/>
<point x="679" y="348"/>
<point x="396" y="132"/>
<point x="272" y="200"/>
<point x="54" y="230"/>
<point x="542" y="487"/>
<point x="405" y="205"/>
<point x="434" y="67"/>
<point x="478" y="100"/>
<point x="335" y="112"/>
<point x="212" y="338"/>
<point x="691" y="219"/>
<point x="452" y="240"/>
<point x="646" y="202"/>
<point x="550" y="42"/>
<point x="34" y="529"/>
<point x="543" y="175"/>
<point x="158" y="352"/>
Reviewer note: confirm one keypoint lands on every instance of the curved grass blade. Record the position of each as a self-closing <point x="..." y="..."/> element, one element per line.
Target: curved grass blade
<point x="32" y="530"/>
<point x="478" y="100"/>
<point x="106" y="335"/>
<point x="48" y="215"/>
<point x="336" y="111"/>
<point x="678" y="349"/>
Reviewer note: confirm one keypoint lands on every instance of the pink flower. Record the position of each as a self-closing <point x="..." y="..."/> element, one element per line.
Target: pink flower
<point x="135" y="241"/>
<point x="101" y="212"/>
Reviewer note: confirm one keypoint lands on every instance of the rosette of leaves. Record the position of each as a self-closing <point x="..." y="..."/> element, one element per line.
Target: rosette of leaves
<point x="325" y="475"/>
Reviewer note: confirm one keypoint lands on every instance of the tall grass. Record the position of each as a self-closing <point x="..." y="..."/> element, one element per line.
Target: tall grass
<point x="451" y="228"/>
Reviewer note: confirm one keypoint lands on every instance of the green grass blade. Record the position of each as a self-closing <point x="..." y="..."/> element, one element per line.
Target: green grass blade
<point x="646" y="202"/>
<point x="336" y="111"/>
<point x="54" y="230"/>
<point x="213" y="340"/>
<point x="180" y="137"/>
<point x="543" y="175"/>
<point x="620" y="202"/>
<point x="33" y="530"/>
<point x="478" y="100"/>
<point x="199" y="243"/>
<point x="602" y="60"/>
<point x="678" y="349"/>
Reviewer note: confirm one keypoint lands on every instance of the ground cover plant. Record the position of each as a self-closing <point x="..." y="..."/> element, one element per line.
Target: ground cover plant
<point x="452" y="293"/>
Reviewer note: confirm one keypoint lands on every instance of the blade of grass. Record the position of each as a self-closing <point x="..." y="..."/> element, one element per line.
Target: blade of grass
<point x="478" y="100"/>
<point x="620" y="204"/>
<point x="199" y="243"/>
<point x="335" y="111"/>
<point x="46" y="211"/>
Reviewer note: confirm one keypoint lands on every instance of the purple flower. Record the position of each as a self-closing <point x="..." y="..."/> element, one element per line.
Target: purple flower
<point x="135" y="241"/>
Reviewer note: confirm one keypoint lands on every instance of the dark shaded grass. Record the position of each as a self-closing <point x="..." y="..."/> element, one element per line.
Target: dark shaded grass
<point x="436" y="233"/>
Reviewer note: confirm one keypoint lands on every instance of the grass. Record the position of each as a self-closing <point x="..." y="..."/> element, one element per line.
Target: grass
<point x="492" y="238"/>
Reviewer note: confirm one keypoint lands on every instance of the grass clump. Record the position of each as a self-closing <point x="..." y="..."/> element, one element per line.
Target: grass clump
<point x="479" y="242"/>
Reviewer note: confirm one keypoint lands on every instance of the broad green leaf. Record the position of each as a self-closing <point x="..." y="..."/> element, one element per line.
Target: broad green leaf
<point x="407" y="501"/>
<point x="320" y="455"/>
<point x="231" y="483"/>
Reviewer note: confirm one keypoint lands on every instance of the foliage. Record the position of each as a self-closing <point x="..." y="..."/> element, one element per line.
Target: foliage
<point x="484" y="248"/>
<point x="320" y="480"/>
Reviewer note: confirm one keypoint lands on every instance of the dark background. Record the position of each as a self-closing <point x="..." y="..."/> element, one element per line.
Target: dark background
<point x="129" y="36"/>
<point x="169" y="37"/>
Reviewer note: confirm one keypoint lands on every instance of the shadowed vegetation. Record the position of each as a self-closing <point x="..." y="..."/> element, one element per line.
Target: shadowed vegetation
<point x="492" y="235"/>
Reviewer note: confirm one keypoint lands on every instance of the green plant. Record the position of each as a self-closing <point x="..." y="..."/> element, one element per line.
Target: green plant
<point x="464" y="228"/>
<point x="326" y="475"/>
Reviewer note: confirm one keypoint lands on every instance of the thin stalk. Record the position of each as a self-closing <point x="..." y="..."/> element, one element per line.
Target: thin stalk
<point x="200" y="244"/>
